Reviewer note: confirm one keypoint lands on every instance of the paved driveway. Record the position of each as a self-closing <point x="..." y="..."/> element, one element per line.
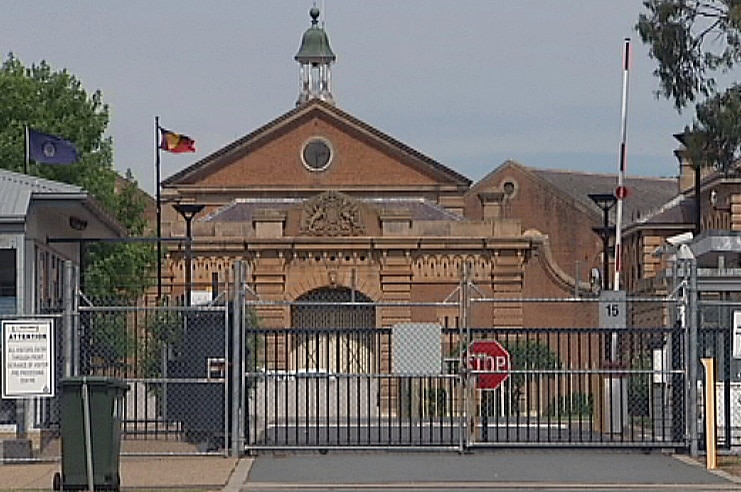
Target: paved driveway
<point x="484" y="470"/>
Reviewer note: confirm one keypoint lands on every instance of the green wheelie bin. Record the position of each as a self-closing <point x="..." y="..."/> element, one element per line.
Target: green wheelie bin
<point x="91" y="417"/>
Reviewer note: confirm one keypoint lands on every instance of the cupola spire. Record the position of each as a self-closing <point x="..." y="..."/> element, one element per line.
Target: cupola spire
<point x="314" y="58"/>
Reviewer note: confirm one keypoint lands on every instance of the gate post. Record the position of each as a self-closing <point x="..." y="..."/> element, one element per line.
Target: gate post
<point x="236" y="363"/>
<point x="688" y="259"/>
<point x="68" y="333"/>
<point x="468" y="383"/>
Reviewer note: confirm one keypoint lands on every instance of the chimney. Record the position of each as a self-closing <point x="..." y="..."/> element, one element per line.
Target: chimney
<point x="686" y="180"/>
<point x="492" y="204"/>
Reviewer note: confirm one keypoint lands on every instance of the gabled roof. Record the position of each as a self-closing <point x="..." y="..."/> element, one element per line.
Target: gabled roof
<point x="16" y="190"/>
<point x="645" y="194"/>
<point x="678" y="212"/>
<point x="310" y="109"/>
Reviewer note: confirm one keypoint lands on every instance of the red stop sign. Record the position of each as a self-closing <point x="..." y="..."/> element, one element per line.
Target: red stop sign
<point x="492" y="359"/>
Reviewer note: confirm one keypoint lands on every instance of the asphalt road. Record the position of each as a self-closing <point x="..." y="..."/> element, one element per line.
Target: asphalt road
<point x="500" y="470"/>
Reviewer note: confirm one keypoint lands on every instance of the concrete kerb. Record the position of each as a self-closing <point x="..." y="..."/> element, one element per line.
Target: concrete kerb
<point x="720" y="473"/>
<point x="239" y="476"/>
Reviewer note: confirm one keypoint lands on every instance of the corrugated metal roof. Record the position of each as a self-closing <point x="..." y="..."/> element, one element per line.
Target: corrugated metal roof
<point x="16" y="190"/>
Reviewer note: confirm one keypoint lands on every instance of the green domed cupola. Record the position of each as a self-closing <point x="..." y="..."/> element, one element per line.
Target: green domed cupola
<point x="315" y="57"/>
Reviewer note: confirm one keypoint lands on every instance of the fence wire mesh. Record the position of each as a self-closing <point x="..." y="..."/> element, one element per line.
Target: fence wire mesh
<point x="331" y="377"/>
<point x="718" y="314"/>
<point x="175" y="362"/>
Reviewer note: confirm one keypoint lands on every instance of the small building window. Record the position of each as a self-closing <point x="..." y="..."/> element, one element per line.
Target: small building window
<point x="8" y="281"/>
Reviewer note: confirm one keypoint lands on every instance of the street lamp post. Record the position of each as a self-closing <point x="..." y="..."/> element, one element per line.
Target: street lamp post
<point x="188" y="211"/>
<point x="605" y="201"/>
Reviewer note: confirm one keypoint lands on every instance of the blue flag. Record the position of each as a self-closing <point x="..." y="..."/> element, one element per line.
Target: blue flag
<point x="50" y="149"/>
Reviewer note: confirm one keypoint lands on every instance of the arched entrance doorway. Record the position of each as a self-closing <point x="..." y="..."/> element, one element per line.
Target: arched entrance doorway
<point x="336" y="334"/>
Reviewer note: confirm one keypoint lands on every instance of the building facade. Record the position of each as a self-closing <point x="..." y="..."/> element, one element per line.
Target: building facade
<point x="318" y="201"/>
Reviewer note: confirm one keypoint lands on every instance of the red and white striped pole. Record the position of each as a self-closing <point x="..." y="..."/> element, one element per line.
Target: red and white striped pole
<point x="621" y="191"/>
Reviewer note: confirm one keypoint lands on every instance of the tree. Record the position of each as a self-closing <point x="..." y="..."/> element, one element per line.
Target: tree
<point x="120" y="271"/>
<point x="529" y="356"/>
<point x="693" y="42"/>
<point x="55" y="102"/>
<point x="717" y="130"/>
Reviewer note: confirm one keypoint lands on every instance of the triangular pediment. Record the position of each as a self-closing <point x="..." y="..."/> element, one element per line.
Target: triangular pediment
<point x="275" y="157"/>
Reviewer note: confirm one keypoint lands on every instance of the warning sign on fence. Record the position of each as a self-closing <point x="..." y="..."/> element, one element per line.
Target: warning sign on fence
<point x="28" y="358"/>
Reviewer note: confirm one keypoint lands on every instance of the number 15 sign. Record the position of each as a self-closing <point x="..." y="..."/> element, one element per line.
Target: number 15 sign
<point x="612" y="309"/>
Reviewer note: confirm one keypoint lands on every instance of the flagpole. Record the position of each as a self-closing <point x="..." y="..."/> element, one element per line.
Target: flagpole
<point x="159" y="209"/>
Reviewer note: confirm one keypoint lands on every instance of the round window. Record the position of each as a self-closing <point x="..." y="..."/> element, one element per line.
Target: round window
<point x="316" y="154"/>
<point x="509" y="188"/>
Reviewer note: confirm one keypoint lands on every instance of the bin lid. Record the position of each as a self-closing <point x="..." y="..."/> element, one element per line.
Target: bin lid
<point x="76" y="381"/>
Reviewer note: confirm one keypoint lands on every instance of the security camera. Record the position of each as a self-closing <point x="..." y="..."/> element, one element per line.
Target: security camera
<point x="683" y="238"/>
<point x="595" y="280"/>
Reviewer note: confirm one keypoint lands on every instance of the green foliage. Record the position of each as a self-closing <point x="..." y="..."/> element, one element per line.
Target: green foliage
<point x="528" y="356"/>
<point x="574" y="405"/>
<point x="716" y="133"/>
<point x="110" y="342"/>
<point x="693" y="41"/>
<point x="165" y="330"/>
<point x="435" y="401"/>
<point x="254" y="343"/>
<point x="123" y="272"/>
<point x="55" y="102"/>
<point x="639" y="385"/>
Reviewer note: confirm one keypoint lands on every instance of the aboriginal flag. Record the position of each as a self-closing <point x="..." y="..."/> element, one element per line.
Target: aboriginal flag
<point x="176" y="143"/>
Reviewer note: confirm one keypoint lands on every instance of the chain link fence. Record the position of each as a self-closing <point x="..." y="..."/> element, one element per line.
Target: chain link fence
<point x="719" y="338"/>
<point x="205" y="378"/>
<point x="174" y="359"/>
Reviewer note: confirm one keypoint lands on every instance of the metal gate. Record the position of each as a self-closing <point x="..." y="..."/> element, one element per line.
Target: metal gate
<point x="174" y="360"/>
<point x="328" y="381"/>
<point x="210" y="379"/>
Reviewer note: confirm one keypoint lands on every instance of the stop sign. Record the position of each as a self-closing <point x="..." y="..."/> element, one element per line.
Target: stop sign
<point x="492" y="359"/>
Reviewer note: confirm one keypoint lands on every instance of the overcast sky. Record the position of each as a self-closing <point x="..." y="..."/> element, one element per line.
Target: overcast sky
<point x="467" y="83"/>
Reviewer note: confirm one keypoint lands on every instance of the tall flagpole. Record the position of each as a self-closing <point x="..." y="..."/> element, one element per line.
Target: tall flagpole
<point x="159" y="208"/>
<point x="621" y="191"/>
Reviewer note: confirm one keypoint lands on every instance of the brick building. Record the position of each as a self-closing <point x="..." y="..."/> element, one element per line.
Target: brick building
<point x="321" y="205"/>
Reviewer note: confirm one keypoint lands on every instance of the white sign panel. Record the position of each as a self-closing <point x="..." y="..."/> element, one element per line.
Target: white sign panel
<point x="28" y="358"/>
<point x="200" y="297"/>
<point x="416" y="348"/>
<point x="737" y="334"/>
<point x="612" y="309"/>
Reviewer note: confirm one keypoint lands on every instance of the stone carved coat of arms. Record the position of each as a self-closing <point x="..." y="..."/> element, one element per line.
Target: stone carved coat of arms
<point x="331" y="214"/>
